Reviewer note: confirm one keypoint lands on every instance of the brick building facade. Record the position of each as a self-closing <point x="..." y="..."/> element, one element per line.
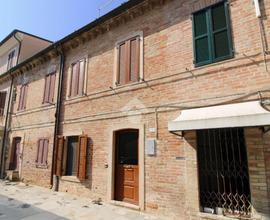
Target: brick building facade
<point x="104" y="102"/>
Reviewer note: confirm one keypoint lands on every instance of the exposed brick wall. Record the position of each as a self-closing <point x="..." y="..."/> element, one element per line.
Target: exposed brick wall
<point x="171" y="185"/>
<point x="258" y="153"/>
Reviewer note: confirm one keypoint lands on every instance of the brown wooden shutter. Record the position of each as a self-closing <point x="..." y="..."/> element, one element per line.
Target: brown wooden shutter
<point x="46" y="89"/>
<point x="21" y="98"/>
<point x="81" y="77"/>
<point x="74" y="83"/>
<point x="52" y="87"/>
<point x="2" y="102"/>
<point x="59" y="155"/>
<point x="134" y="59"/>
<point x="39" y="152"/>
<point x="127" y="61"/>
<point x="122" y="64"/>
<point x="81" y="173"/>
<point x="24" y="96"/>
<point x="45" y="151"/>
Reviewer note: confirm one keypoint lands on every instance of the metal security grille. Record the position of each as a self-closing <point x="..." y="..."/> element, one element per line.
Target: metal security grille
<point x="223" y="172"/>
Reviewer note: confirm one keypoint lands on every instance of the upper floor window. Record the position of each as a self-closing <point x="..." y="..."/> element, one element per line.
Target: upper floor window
<point x="23" y="96"/>
<point x="128" y="61"/>
<point x="211" y="34"/>
<point x="10" y="59"/>
<point x="49" y="88"/>
<point x="42" y="152"/>
<point x="77" y="78"/>
<point x="3" y="96"/>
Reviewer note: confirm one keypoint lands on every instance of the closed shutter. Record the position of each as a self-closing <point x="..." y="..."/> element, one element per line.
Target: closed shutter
<point x="46" y="89"/>
<point x="40" y="152"/>
<point x="52" y="87"/>
<point x="212" y="35"/>
<point x="129" y="61"/>
<point x="2" y="102"/>
<point x="74" y="79"/>
<point x="81" y="174"/>
<point x="201" y="37"/>
<point x="134" y="59"/>
<point x="23" y="96"/>
<point x="45" y="151"/>
<point x="59" y="155"/>
<point x="81" y="77"/>
<point x="122" y="64"/>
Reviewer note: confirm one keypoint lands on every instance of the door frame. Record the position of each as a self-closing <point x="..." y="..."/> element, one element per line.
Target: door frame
<point x="141" y="164"/>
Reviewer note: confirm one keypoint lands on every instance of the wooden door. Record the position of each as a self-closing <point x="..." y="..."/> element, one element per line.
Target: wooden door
<point x="126" y="166"/>
<point x="15" y="154"/>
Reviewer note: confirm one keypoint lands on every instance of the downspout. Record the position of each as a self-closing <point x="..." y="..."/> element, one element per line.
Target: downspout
<point x="258" y="15"/>
<point x="3" y="162"/>
<point x="6" y="130"/>
<point x="54" y="179"/>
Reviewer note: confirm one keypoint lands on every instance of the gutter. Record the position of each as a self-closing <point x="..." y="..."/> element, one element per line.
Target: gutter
<point x="54" y="180"/>
<point x="117" y="11"/>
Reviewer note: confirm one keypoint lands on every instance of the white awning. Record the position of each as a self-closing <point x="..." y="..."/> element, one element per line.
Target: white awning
<point x="246" y="114"/>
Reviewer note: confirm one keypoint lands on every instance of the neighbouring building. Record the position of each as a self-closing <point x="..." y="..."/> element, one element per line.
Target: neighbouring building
<point x="159" y="105"/>
<point x="17" y="47"/>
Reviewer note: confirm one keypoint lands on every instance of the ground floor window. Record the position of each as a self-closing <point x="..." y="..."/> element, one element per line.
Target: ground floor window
<point x="72" y="156"/>
<point x="223" y="172"/>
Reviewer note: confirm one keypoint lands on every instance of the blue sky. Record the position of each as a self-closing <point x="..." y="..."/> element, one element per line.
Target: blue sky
<point x="51" y="19"/>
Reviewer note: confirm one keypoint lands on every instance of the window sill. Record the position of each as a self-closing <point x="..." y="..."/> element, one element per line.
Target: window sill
<point x="42" y="166"/>
<point x="75" y="97"/>
<point x="47" y="104"/>
<point x="70" y="179"/>
<point x="127" y="84"/>
<point x="209" y="63"/>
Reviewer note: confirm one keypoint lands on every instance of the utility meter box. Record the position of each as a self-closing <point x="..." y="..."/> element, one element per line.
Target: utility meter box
<point x="151" y="147"/>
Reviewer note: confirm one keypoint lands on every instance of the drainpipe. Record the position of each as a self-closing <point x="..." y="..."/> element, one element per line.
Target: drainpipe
<point x="2" y="171"/>
<point x="258" y="15"/>
<point x="54" y="179"/>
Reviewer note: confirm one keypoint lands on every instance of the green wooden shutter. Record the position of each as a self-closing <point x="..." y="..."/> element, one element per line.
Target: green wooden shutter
<point x="221" y="37"/>
<point x="201" y="38"/>
<point x="212" y="39"/>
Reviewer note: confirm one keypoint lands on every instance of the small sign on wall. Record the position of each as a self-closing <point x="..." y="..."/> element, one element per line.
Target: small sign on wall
<point x="151" y="147"/>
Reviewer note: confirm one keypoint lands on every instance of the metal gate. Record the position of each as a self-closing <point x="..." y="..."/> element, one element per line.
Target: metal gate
<point x="223" y="172"/>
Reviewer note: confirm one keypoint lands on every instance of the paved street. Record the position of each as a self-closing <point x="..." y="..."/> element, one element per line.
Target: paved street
<point x="18" y="201"/>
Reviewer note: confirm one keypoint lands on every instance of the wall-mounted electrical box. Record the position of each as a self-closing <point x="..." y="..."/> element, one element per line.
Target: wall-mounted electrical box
<point x="151" y="147"/>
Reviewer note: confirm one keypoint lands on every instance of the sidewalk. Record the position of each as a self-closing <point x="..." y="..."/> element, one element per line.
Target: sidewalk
<point x="18" y="201"/>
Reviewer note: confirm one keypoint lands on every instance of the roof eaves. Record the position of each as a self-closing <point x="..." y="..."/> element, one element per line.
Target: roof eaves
<point x="117" y="11"/>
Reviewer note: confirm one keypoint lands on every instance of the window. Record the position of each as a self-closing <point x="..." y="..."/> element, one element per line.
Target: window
<point x="2" y="102"/>
<point x="10" y="59"/>
<point x="23" y="96"/>
<point x="223" y="171"/>
<point x="71" y="158"/>
<point x="211" y="34"/>
<point x="42" y="152"/>
<point x="49" y="88"/>
<point x="77" y="78"/>
<point x="128" y="63"/>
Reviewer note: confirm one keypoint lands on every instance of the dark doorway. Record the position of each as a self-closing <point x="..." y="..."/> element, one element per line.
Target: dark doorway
<point x="72" y="156"/>
<point x="223" y="171"/>
<point x="126" y="166"/>
<point x="15" y="153"/>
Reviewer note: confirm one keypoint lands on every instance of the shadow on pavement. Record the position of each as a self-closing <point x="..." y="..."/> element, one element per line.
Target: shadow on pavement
<point x="11" y="209"/>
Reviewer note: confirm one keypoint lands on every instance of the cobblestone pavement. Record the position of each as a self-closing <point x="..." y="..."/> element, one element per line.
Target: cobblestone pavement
<point x="19" y="201"/>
